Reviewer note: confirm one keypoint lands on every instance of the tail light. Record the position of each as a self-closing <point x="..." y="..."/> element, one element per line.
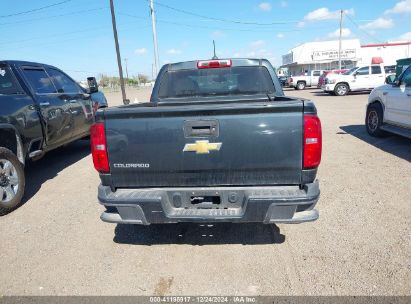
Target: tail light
<point x="99" y="147"/>
<point x="212" y="64"/>
<point x="312" y="141"/>
<point x="290" y="80"/>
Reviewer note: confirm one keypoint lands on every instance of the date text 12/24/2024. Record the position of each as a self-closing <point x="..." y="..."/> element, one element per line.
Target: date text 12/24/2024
<point x="202" y="299"/>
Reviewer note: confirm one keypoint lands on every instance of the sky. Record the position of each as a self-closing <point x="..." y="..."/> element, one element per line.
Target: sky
<point x="77" y="35"/>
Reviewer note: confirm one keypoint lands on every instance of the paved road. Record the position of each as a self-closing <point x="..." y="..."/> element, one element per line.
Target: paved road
<point x="55" y="243"/>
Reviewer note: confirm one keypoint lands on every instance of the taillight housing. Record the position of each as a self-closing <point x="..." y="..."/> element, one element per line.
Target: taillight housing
<point x="99" y="147"/>
<point x="212" y="64"/>
<point x="312" y="142"/>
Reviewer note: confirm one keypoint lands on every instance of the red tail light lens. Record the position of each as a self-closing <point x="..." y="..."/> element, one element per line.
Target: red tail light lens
<point x="312" y="141"/>
<point x="212" y="64"/>
<point x="99" y="147"/>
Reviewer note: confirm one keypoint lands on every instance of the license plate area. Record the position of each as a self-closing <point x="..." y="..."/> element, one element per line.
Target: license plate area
<point x="207" y="200"/>
<point x="204" y="199"/>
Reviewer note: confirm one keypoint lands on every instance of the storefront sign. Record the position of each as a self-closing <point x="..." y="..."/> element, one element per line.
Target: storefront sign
<point x="332" y="55"/>
<point x="288" y="58"/>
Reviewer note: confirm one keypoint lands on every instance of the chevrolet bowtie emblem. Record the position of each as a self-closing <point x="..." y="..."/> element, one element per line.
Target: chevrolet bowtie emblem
<point x="202" y="147"/>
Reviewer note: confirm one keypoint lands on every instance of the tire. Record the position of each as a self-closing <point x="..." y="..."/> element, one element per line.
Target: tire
<point x="341" y="89"/>
<point x="12" y="181"/>
<point x="374" y="120"/>
<point x="300" y="85"/>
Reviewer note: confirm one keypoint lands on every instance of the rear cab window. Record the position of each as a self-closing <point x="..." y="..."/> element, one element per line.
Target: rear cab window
<point x="8" y="83"/>
<point x="232" y="81"/>
<point x="39" y="81"/>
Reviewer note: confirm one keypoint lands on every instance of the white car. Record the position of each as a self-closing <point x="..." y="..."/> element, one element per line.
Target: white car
<point x="389" y="107"/>
<point x="303" y="81"/>
<point x="363" y="78"/>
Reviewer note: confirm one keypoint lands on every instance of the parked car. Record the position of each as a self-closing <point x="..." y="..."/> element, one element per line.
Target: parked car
<point x="41" y="108"/>
<point x="303" y="81"/>
<point x="363" y="78"/>
<point x="98" y="98"/>
<point x="218" y="142"/>
<point x="389" y="107"/>
<point x="321" y="80"/>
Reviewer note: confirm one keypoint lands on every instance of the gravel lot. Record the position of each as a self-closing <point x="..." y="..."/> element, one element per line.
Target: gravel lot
<point x="55" y="244"/>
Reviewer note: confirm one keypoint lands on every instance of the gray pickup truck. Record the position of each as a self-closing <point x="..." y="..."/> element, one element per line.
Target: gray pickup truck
<point x="218" y="141"/>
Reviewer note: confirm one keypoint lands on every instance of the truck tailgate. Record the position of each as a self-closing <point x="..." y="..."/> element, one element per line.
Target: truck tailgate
<point x="257" y="143"/>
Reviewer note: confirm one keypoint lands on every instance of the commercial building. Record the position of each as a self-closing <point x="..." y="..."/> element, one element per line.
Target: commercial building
<point x="323" y="55"/>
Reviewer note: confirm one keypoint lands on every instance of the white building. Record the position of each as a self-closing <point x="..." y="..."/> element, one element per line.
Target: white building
<point x="390" y="52"/>
<point x="323" y="55"/>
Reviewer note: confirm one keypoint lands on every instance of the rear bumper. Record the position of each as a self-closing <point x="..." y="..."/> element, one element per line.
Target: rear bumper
<point x="275" y="204"/>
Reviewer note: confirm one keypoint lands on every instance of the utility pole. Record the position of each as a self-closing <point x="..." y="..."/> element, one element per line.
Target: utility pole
<point x="153" y="25"/>
<point x="339" y="47"/>
<point x="125" y="60"/>
<point x="120" y="69"/>
<point x="214" y="56"/>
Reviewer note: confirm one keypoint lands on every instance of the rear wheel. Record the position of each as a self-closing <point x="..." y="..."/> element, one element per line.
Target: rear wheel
<point x="341" y="89"/>
<point x="12" y="181"/>
<point x="300" y="85"/>
<point x="373" y="120"/>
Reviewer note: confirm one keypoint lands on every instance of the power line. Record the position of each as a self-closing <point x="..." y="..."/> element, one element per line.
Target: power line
<point x="35" y="9"/>
<point x="221" y="28"/>
<point x="55" y="35"/>
<point x="363" y="31"/>
<point x="283" y="22"/>
<point x="221" y="19"/>
<point x="68" y="40"/>
<point x="53" y="16"/>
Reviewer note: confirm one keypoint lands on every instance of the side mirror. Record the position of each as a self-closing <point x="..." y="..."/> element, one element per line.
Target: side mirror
<point x="92" y="84"/>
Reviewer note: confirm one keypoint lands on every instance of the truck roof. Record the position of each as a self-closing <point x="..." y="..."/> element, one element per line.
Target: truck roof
<point x="22" y="63"/>
<point x="185" y="65"/>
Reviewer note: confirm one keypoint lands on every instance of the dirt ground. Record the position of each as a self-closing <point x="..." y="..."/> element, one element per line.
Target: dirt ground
<point x="55" y="243"/>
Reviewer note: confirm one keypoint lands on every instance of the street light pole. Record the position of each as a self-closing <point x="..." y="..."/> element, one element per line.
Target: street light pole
<point x="120" y="69"/>
<point x="153" y="25"/>
<point x="339" y="47"/>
